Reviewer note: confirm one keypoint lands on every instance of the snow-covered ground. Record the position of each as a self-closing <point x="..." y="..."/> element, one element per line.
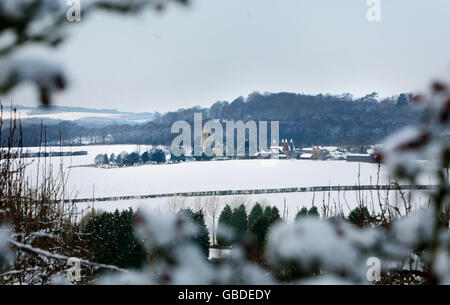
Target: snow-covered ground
<point x="81" y="116"/>
<point x="86" y="182"/>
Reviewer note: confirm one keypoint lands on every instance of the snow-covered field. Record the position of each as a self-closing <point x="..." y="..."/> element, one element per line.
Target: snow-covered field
<point x="86" y="182"/>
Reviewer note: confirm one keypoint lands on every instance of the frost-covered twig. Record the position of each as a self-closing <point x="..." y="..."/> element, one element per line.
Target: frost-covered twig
<point x="50" y="255"/>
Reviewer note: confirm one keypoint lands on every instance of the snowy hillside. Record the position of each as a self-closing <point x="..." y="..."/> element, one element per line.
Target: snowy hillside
<point x="84" y="116"/>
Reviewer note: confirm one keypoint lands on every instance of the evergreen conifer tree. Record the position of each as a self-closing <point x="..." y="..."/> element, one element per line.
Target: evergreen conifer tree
<point x="111" y="238"/>
<point x="239" y="221"/>
<point x="313" y="212"/>
<point x="359" y="216"/>
<point x="255" y="213"/>
<point x="224" y="225"/>
<point x="302" y="213"/>
<point x="202" y="236"/>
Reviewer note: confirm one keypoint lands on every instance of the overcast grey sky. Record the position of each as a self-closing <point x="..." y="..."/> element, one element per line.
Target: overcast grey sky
<point x="221" y="49"/>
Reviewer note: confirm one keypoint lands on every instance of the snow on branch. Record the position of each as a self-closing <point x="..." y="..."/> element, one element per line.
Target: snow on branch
<point x="47" y="76"/>
<point x="44" y="22"/>
<point x="51" y="255"/>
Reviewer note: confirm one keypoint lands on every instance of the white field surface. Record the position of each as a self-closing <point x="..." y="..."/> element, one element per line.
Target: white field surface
<point x="84" y="182"/>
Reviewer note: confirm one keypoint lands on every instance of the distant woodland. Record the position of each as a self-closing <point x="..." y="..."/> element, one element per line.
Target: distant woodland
<point x="307" y="119"/>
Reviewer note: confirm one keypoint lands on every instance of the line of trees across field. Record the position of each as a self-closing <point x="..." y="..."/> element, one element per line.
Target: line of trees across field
<point x="157" y="156"/>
